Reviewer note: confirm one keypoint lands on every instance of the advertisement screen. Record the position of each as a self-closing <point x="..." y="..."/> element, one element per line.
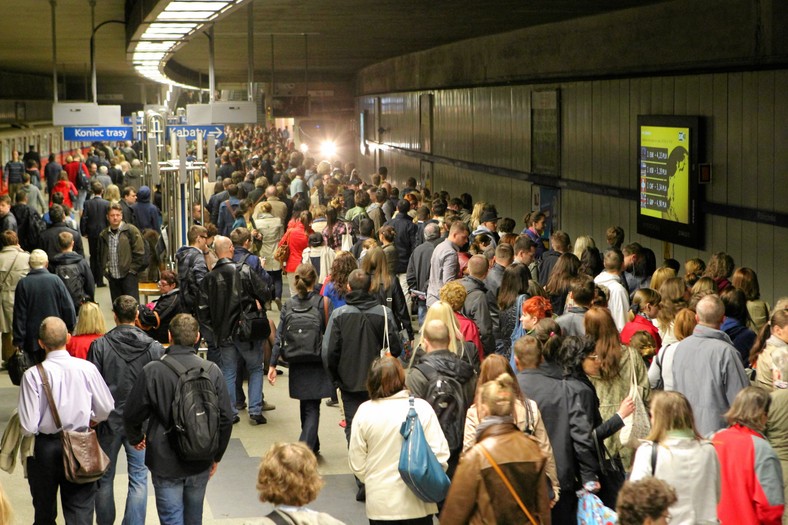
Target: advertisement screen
<point x="667" y="175"/>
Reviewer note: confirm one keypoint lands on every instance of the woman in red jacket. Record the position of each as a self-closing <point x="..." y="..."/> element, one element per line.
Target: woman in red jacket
<point x="297" y="238"/>
<point x="645" y="307"/>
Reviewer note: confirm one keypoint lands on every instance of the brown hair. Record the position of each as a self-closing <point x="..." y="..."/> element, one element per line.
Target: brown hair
<point x="746" y="280"/>
<point x="648" y="498"/>
<point x="453" y="293"/>
<point x="343" y="264"/>
<point x="305" y="277"/>
<point x="386" y="377"/>
<point x="720" y="266"/>
<point x="749" y="407"/>
<point x="288" y="475"/>
<point x="693" y="270"/>
<point x="498" y="396"/>
<point x="600" y="326"/>
<point x="779" y="318"/>
<point x="670" y="411"/>
<point x="672" y="292"/>
<point x="684" y="324"/>
<point x="376" y="265"/>
<point x="528" y="351"/>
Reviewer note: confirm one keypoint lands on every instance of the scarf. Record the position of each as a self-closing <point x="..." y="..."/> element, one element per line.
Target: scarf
<point x="490" y="421"/>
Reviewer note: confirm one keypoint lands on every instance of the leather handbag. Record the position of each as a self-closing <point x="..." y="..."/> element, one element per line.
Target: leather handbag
<point x="18" y="363"/>
<point x="282" y="252"/>
<point x="637" y="425"/>
<point x="418" y="466"/>
<point x="611" y="473"/>
<point x="83" y="459"/>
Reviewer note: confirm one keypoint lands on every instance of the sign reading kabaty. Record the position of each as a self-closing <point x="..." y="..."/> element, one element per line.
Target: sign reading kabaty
<point x="88" y="134"/>
<point x="190" y="132"/>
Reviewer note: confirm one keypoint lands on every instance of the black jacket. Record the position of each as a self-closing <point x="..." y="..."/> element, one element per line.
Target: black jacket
<point x="151" y="399"/>
<point x="94" y="216"/>
<point x="406" y="239"/>
<point x="563" y="406"/>
<point x="395" y="300"/>
<point x="418" y="273"/>
<point x="478" y="310"/>
<point x="354" y="338"/>
<point x="39" y="295"/>
<point x="156" y="322"/>
<point x="549" y="258"/>
<point x="220" y="302"/>
<point x="146" y="215"/>
<point x="89" y="287"/>
<point x="29" y="226"/>
<point x="191" y="271"/>
<point x="120" y="355"/>
<point x="49" y="239"/>
<point x="128" y="213"/>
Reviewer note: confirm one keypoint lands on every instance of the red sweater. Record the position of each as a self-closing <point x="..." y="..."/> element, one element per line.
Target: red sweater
<point x="750" y="478"/>
<point x="636" y="325"/>
<point x="470" y="332"/>
<point x="79" y="345"/>
<point x="298" y="239"/>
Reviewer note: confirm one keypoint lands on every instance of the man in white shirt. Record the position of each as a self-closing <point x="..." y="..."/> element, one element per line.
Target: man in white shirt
<point x="618" y="298"/>
<point x="82" y="398"/>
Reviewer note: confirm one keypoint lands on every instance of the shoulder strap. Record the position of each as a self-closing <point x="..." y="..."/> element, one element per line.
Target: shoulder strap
<point x="654" y="450"/>
<point x="529" y="418"/>
<point x="48" y="392"/>
<point x="244" y="259"/>
<point x="325" y="311"/>
<point x="10" y="269"/>
<point x="174" y="365"/>
<point x="279" y="517"/>
<point x="386" y="344"/>
<point x="507" y="483"/>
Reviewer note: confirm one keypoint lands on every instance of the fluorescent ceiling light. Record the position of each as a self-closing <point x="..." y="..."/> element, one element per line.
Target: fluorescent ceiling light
<point x="185" y="15"/>
<point x="196" y="6"/>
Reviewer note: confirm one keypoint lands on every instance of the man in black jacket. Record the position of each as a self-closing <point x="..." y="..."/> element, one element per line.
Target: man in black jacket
<point x="441" y="364"/>
<point x="93" y="221"/>
<point x="179" y="484"/>
<point x="227" y="292"/>
<point x="353" y="339"/>
<point x="405" y="240"/>
<point x="120" y="356"/>
<point x="418" y="273"/>
<point x="74" y="271"/>
<point x="49" y="242"/>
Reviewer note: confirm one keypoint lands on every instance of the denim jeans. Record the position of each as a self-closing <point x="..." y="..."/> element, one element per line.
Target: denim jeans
<point x="252" y="355"/>
<point x="137" y="499"/>
<point x="310" y="422"/>
<point x="179" y="500"/>
<point x="422" y="311"/>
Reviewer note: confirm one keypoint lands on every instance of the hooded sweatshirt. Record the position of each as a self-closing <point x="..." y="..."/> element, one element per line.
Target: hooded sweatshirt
<point x="120" y="355"/>
<point x="146" y="215"/>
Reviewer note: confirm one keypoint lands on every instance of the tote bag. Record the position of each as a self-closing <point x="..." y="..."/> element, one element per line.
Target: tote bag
<point x="636" y="425"/>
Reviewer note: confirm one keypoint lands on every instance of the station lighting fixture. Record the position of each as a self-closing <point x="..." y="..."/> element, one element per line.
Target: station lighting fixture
<point x="175" y="24"/>
<point x="304" y="148"/>
<point x="328" y="149"/>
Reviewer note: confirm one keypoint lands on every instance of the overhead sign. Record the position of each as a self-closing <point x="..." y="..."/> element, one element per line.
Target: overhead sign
<point x="190" y="132"/>
<point x="86" y="134"/>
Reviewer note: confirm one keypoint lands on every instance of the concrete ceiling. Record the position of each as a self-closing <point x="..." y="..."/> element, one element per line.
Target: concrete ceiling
<point x="343" y="36"/>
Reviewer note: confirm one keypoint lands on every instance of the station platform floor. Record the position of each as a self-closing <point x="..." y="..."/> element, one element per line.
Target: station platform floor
<point x="231" y="497"/>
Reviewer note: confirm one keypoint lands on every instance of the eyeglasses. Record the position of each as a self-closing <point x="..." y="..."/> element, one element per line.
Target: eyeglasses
<point x="595" y="357"/>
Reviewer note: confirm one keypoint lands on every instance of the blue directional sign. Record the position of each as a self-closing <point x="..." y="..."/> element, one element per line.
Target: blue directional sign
<point x="190" y="132"/>
<point x="87" y="134"/>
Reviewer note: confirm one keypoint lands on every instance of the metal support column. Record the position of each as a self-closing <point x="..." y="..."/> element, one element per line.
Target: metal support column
<point x="250" y="51"/>
<point x="211" y="73"/>
<point x="53" y="4"/>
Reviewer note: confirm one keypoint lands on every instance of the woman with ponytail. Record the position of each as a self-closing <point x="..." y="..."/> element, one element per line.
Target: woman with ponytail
<point x="301" y="326"/>
<point x="772" y="336"/>
<point x="481" y="492"/>
<point x="643" y="312"/>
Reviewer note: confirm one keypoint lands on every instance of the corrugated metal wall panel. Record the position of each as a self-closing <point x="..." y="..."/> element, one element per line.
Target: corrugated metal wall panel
<point x="745" y="115"/>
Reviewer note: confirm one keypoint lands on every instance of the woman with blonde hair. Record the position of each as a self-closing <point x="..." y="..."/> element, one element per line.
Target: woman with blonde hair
<point x="611" y="372"/>
<point x="693" y="270"/>
<point x="525" y="415"/>
<point x="661" y="275"/>
<point x="679" y="455"/>
<point x="465" y="350"/>
<point x="476" y="214"/>
<point x="660" y="373"/>
<point x="112" y="194"/>
<point x="90" y="326"/>
<point x="772" y="336"/>
<point x="481" y="492"/>
<point x="674" y="298"/>
<point x="453" y="293"/>
<point x="288" y="479"/>
<point x="582" y="243"/>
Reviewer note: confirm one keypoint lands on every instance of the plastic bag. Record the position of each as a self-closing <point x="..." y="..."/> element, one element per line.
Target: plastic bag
<point x="591" y="510"/>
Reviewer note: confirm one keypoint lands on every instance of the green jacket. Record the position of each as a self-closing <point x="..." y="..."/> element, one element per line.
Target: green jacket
<point x="131" y="250"/>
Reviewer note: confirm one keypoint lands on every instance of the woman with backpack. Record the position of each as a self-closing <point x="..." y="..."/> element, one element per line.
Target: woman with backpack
<point x="299" y="340"/>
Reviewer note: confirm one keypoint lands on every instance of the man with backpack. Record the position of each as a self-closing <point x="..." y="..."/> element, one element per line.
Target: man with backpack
<point x="74" y="271"/>
<point x="49" y="237"/>
<point x="29" y="223"/>
<point x="189" y="423"/>
<point x="227" y="211"/>
<point x="120" y="355"/>
<point x="447" y="382"/>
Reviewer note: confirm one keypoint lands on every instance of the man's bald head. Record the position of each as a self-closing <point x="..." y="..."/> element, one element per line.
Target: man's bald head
<point x="53" y="334"/>
<point x="478" y="266"/>
<point x="223" y="247"/>
<point x="710" y="311"/>
<point x="437" y="334"/>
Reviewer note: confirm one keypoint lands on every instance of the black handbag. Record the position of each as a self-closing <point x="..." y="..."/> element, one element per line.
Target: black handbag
<point x="611" y="473"/>
<point x="17" y="364"/>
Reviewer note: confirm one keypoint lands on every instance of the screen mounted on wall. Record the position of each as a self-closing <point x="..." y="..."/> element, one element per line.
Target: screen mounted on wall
<point x="667" y="168"/>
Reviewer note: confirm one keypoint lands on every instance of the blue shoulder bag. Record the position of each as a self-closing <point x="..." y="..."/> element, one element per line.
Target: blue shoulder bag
<point x="418" y="466"/>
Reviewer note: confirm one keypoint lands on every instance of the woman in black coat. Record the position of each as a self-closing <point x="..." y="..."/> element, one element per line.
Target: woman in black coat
<point x="387" y="288"/>
<point x="299" y="340"/>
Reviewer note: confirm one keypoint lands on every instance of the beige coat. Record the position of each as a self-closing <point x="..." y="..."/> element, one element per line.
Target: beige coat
<point x="271" y="229"/>
<point x="765" y="363"/>
<point x="278" y="208"/>
<point x="14" y="264"/>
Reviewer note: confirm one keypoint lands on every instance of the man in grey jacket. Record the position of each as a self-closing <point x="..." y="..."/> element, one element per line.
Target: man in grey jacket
<point x="476" y="307"/>
<point x="445" y="263"/>
<point x="707" y="368"/>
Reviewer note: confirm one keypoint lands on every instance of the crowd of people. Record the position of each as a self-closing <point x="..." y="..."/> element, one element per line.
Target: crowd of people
<point x="571" y="365"/>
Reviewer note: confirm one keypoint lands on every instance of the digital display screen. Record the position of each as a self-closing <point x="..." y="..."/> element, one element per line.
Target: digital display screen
<point x="664" y="173"/>
<point x="667" y="175"/>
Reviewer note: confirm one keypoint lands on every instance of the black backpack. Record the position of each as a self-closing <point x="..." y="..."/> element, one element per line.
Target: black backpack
<point x="195" y="412"/>
<point x="81" y="180"/>
<point x="74" y="281"/>
<point x="189" y="287"/>
<point x="302" y="337"/>
<point x="446" y="396"/>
